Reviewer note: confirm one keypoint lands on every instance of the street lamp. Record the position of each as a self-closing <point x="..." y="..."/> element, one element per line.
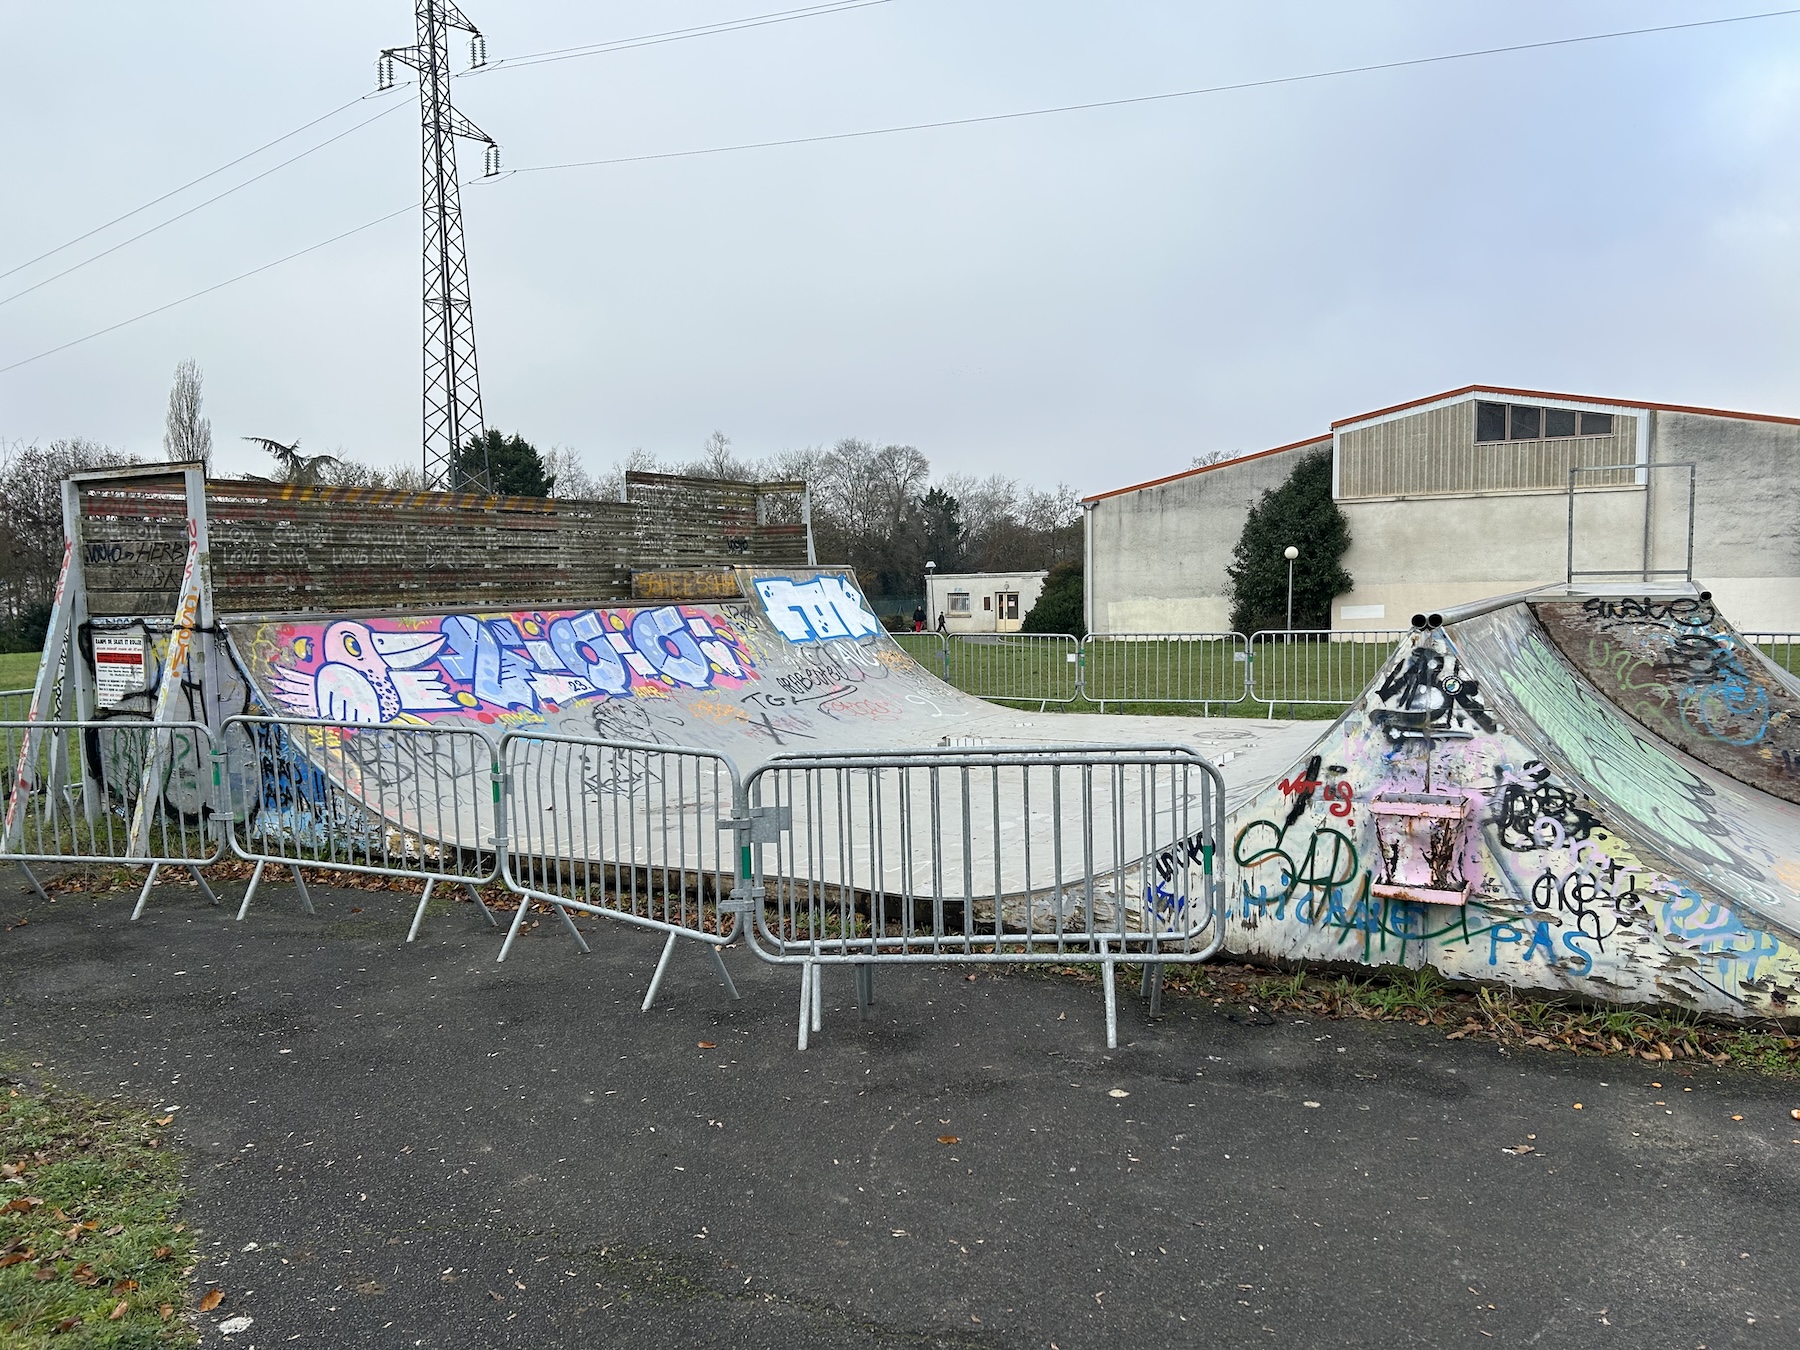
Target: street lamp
<point x="1290" y="553"/>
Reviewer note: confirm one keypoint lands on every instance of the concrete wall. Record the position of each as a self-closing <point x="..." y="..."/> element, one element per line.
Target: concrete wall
<point x="1747" y="528"/>
<point x="1409" y="556"/>
<point x="1156" y="557"/>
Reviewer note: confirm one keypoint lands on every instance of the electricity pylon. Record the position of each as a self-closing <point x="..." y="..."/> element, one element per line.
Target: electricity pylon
<point x="452" y="383"/>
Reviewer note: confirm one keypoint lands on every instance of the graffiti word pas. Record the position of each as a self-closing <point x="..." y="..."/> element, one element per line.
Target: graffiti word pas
<point x="816" y="611"/>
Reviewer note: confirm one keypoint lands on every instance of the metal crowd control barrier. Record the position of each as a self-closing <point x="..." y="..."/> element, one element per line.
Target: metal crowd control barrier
<point x="626" y="831"/>
<point x="15" y="705"/>
<point x="1781" y="648"/>
<point x="1318" y="665"/>
<point x="1203" y="668"/>
<point x="111" y="790"/>
<point x="403" y="801"/>
<point x="928" y="649"/>
<point x="1064" y="855"/>
<point x="1041" y="668"/>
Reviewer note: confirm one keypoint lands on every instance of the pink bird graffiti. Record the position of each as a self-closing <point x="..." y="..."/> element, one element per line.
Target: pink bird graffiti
<point x="366" y="677"/>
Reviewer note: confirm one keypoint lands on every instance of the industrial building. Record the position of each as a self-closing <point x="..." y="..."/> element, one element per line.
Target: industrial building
<point x="1464" y="495"/>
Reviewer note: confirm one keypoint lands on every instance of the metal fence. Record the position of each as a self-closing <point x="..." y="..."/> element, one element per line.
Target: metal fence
<point x="928" y="649"/>
<point x="404" y="801"/>
<point x="626" y="831"/>
<point x="15" y="705"/>
<point x="1203" y="668"/>
<point x="1039" y="668"/>
<point x="111" y="790"/>
<point x="1781" y="648"/>
<point x="1318" y="666"/>
<point x="1059" y="855"/>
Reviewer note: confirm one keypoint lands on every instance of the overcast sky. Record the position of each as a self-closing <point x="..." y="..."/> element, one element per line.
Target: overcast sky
<point x="1092" y="297"/>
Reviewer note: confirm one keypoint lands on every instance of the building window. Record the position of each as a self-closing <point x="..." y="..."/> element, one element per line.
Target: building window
<point x="1490" y="421"/>
<point x="987" y="603"/>
<point x="959" y="604"/>
<point x="1519" y="422"/>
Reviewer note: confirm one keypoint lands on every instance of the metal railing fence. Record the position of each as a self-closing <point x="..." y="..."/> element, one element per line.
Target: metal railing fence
<point x="928" y="649"/>
<point x="1066" y="854"/>
<point x="625" y="831"/>
<point x="1203" y="668"/>
<point x="420" y="802"/>
<point x="108" y="790"/>
<point x="1781" y="648"/>
<point x="15" y="705"/>
<point x="1039" y="668"/>
<point x="1318" y="666"/>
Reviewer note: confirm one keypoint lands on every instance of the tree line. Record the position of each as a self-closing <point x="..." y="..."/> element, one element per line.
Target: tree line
<point x="875" y="507"/>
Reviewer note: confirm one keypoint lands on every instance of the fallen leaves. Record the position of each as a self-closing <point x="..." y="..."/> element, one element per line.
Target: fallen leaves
<point x="1519" y="1150"/>
<point x="1578" y="1106"/>
<point x="1118" y="1092"/>
<point x="213" y="1298"/>
<point x="706" y="1045"/>
<point x="949" y="1139"/>
<point x="124" y="1305"/>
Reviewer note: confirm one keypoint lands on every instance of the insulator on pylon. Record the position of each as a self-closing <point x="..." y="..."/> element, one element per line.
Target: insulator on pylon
<point x="490" y="163"/>
<point x="384" y="72"/>
<point x="477" y="52"/>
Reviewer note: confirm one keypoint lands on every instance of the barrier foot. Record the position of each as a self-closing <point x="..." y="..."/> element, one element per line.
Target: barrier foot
<point x="475" y="895"/>
<point x="205" y="890"/>
<point x="30" y="877"/>
<point x="300" y="885"/>
<point x="250" y="890"/>
<point x="1153" y="985"/>
<point x="662" y="965"/>
<point x="144" y="895"/>
<point x="419" y="913"/>
<point x="574" y="932"/>
<point x="724" y="974"/>
<point x="806" y="983"/>
<point x="865" y="988"/>
<point x="818" y="998"/>
<point x="513" y="931"/>
<point x="1112" y="1005"/>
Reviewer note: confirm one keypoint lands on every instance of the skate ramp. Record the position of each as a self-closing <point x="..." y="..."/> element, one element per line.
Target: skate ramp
<point x="797" y="664"/>
<point x="1488" y="809"/>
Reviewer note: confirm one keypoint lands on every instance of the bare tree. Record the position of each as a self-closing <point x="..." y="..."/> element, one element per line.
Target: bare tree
<point x="31" y="527"/>
<point x="573" y="481"/>
<point x="187" y="436"/>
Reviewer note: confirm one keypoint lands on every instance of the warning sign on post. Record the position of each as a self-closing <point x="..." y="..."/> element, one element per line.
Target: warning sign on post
<point x="118" y="667"/>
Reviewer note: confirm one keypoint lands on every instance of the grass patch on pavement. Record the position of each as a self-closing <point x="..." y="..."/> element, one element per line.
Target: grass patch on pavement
<point x="91" y="1252"/>
<point x="1508" y="1017"/>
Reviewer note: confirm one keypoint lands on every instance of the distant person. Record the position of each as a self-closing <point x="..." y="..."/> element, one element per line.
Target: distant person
<point x="942" y="626"/>
<point x="919" y="619"/>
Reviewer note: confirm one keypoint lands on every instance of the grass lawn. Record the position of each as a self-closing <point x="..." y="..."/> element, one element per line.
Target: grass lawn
<point x="18" y="670"/>
<point x="90" y="1248"/>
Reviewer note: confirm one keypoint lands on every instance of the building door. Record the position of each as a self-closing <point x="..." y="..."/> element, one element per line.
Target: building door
<point x="1006" y="611"/>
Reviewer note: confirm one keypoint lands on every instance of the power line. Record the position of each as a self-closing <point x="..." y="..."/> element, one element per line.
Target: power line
<point x="805" y="140"/>
<point x="195" y="182"/>
<point x="125" y="323"/>
<point x="529" y="58"/>
<point x="142" y="234"/>
<point x="674" y="35"/>
<point x="1151" y="98"/>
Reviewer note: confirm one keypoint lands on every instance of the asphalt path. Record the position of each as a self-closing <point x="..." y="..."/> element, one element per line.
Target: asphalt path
<point x="402" y="1145"/>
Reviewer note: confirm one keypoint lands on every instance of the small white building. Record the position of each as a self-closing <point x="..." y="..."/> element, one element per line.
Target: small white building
<point x="981" y="602"/>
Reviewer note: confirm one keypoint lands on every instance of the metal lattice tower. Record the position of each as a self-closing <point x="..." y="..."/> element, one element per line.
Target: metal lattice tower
<point x="452" y="383"/>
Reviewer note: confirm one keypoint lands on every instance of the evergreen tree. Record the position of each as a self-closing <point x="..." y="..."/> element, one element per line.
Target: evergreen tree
<point x="514" y="467"/>
<point x="1300" y="513"/>
<point x="942" y="538"/>
<point x="1061" y="608"/>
